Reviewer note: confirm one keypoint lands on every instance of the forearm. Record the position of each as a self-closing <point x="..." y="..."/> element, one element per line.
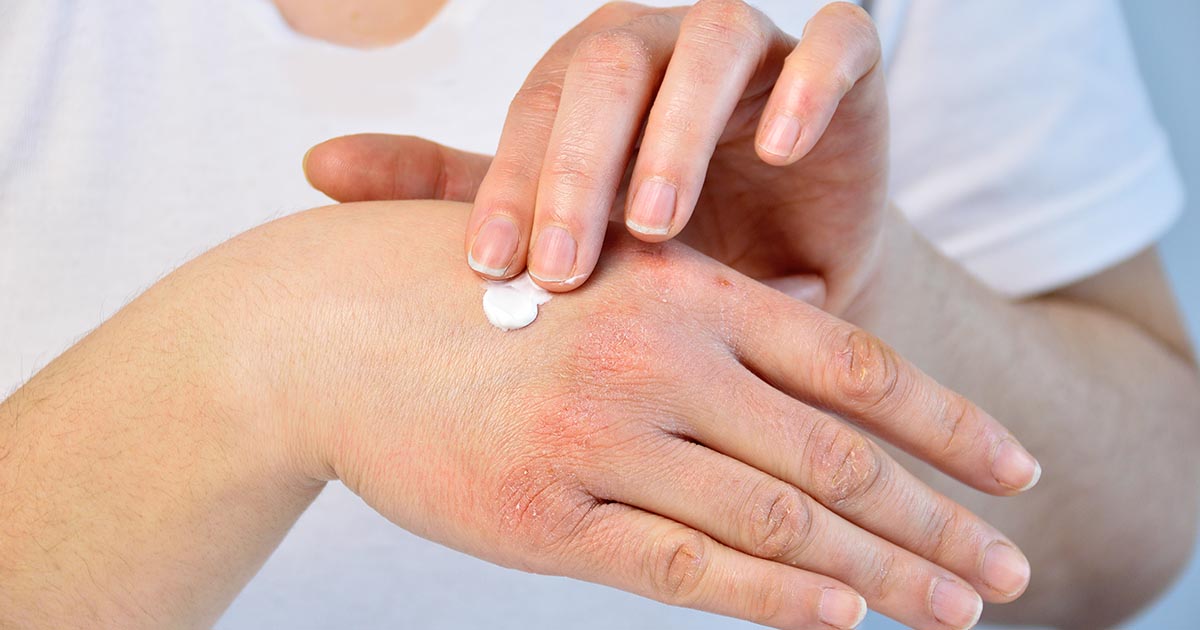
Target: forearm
<point x="1110" y="411"/>
<point x="137" y="490"/>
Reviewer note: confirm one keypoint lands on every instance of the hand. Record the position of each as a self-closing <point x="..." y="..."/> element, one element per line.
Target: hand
<point x="558" y="448"/>
<point x="779" y="149"/>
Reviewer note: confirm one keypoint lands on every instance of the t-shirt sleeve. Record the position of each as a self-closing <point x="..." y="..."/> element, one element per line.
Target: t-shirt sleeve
<point x="1023" y="143"/>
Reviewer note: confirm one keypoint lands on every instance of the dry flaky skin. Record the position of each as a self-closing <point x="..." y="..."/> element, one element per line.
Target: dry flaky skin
<point x="156" y="464"/>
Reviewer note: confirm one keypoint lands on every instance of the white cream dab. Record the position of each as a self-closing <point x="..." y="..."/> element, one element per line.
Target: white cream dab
<point x="513" y="304"/>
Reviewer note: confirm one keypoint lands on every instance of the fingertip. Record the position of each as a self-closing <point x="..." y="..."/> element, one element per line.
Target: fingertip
<point x="1013" y="467"/>
<point x="306" y="165"/>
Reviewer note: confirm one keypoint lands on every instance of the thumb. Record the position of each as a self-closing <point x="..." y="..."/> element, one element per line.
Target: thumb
<point x="376" y="167"/>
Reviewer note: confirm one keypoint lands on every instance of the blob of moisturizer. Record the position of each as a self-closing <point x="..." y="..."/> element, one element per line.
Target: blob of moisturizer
<point x="513" y="304"/>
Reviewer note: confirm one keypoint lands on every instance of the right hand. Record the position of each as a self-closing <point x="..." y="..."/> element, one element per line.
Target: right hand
<point x="646" y="432"/>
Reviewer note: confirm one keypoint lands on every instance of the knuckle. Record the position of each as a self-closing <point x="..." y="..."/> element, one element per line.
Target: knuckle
<point x="516" y="169"/>
<point x="541" y="507"/>
<point x="539" y="96"/>
<point x="678" y="563"/>
<point x="736" y="19"/>
<point x="841" y="82"/>
<point x="575" y="167"/>
<point x="861" y="371"/>
<point x="882" y="580"/>
<point x="960" y="415"/>
<point x="728" y="22"/>
<point x="616" y="56"/>
<point x="766" y="604"/>
<point x="941" y="531"/>
<point x="610" y="12"/>
<point x="780" y="522"/>
<point x="850" y="13"/>
<point x="847" y="467"/>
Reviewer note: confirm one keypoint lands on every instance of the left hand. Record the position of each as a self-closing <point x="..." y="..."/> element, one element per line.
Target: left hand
<point x="778" y="146"/>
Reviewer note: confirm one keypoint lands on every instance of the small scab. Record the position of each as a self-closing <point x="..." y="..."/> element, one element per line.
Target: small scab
<point x="722" y="282"/>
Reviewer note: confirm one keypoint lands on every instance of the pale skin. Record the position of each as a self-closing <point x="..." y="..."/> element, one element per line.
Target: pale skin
<point x="1100" y="361"/>
<point x="154" y="466"/>
<point x="150" y="470"/>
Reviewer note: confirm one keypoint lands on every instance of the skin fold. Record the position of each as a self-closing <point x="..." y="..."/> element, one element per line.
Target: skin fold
<point x="151" y="469"/>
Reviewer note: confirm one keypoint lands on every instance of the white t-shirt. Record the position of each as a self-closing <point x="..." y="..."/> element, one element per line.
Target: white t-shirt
<point x="135" y="134"/>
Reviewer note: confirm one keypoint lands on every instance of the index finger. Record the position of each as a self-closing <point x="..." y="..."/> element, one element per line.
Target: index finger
<point x="832" y="364"/>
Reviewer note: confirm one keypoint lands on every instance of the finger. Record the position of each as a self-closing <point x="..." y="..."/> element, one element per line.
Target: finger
<point x="655" y="557"/>
<point x="722" y="44"/>
<point x="838" y="52"/>
<point x="758" y="514"/>
<point x="379" y="167"/>
<point x="498" y="231"/>
<point x="610" y="80"/>
<point x="837" y="366"/>
<point x="849" y="474"/>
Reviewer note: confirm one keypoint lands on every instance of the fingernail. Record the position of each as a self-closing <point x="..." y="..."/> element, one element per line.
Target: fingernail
<point x="781" y="136"/>
<point x="955" y="605"/>
<point x="553" y="256"/>
<point x="653" y="208"/>
<point x="841" y="609"/>
<point x="1005" y="569"/>
<point x="1014" y="467"/>
<point x="494" y="247"/>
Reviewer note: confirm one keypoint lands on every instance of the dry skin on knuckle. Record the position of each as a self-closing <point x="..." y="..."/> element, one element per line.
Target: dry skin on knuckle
<point x="861" y="372"/>
<point x="613" y="58"/>
<point x="846" y="466"/>
<point x="677" y="564"/>
<point x="779" y="521"/>
<point x="881" y="579"/>
<point x="541" y="505"/>
<point x="727" y="23"/>
<point x="540" y="96"/>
